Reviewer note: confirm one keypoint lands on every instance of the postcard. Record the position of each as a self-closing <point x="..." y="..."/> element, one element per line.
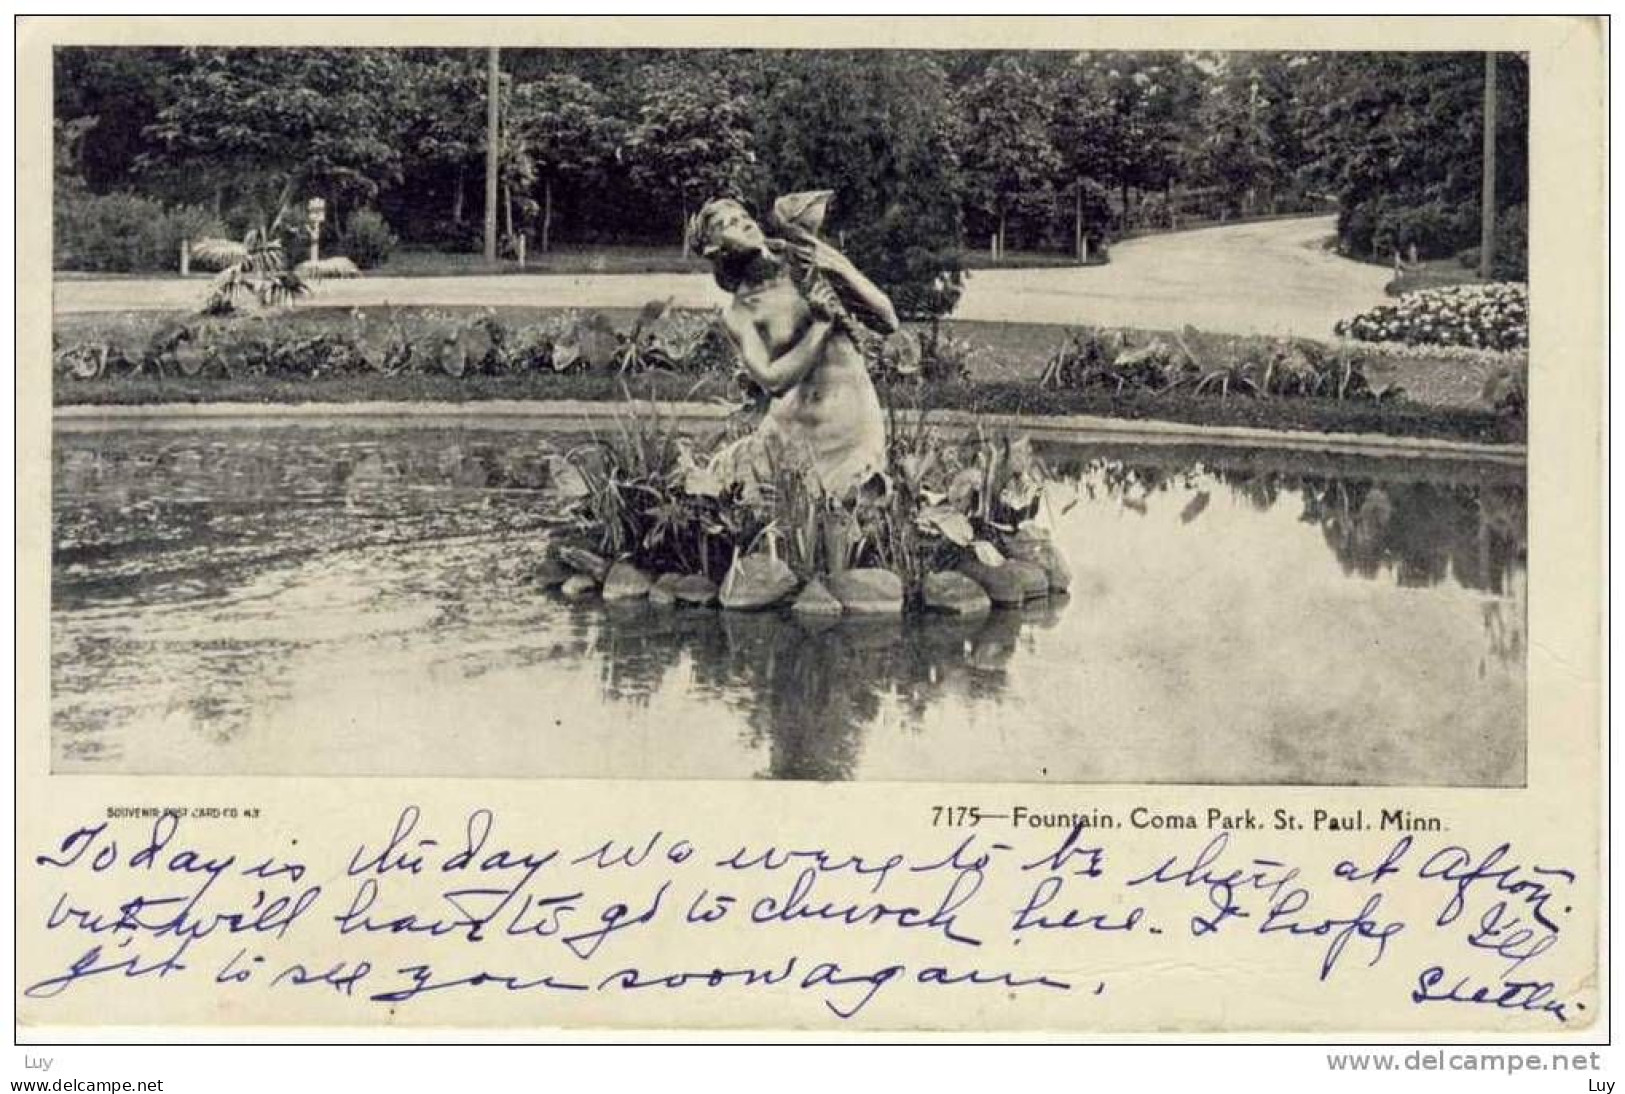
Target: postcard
<point x="996" y="527"/>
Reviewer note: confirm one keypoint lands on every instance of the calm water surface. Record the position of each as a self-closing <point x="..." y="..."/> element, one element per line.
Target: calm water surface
<point x="354" y="599"/>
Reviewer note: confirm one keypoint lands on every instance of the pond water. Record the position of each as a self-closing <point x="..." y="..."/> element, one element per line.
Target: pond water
<point x="352" y="598"/>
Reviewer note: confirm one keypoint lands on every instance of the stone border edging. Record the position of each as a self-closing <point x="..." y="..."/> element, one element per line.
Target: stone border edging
<point x="564" y="410"/>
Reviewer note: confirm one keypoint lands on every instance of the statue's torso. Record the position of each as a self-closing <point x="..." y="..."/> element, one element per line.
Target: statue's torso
<point x="833" y="414"/>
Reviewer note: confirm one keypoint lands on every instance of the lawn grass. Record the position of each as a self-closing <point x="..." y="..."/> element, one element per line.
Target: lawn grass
<point x="1444" y="394"/>
<point x="575" y="259"/>
<point x="626" y="259"/>
<point x="564" y="259"/>
<point x="1026" y="260"/>
<point x="994" y="397"/>
<point x="1436" y="273"/>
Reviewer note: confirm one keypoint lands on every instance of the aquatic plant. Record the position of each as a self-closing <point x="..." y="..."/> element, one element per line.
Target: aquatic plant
<point x="646" y="493"/>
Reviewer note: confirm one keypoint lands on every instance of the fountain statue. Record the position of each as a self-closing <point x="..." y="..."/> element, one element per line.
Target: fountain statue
<point x="797" y="304"/>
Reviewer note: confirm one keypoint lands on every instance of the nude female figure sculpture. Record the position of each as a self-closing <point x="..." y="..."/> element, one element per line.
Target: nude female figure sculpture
<point x="794" y="300"/>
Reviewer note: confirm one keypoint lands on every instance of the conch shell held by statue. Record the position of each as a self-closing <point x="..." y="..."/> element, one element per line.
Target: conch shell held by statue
<point x="801" y="213"/>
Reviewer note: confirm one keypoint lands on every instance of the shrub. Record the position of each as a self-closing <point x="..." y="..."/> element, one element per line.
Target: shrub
<point x="367" y="239"/>
<point x="124" y="232"/>
<point x="455" y="238"/>
<point x="1511" y="251"/>
<point x="1511" y="244"/>
<point x="1494" y="317"/>
<point x="1507" y="391"/>
<point x="185" y="222"/>
<point x="1434" y="229"/>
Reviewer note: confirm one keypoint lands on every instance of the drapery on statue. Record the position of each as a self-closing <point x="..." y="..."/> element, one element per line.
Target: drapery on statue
<point x="796" y="300"/>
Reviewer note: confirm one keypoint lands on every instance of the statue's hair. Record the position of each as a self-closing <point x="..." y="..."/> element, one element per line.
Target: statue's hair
<point x="729" y="270"/>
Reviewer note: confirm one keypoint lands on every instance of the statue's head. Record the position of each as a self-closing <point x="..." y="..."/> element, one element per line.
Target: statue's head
<point x="724" y="230"/>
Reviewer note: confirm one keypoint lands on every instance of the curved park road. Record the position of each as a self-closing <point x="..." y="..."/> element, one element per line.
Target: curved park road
<point x="1270" y="278"/>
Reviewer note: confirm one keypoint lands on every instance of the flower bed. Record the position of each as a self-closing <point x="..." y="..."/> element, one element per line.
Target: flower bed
<point x="1494" y="317"/>
<point x="1110" y="361"/>
<point x="334" y="355"/>
<point x="286" y="345"/>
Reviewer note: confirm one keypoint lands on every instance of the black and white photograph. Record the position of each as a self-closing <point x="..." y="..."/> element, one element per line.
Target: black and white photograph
<point x="1074" y="416"/>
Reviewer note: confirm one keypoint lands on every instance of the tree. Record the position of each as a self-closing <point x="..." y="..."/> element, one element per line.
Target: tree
<point x="1009" y="159"/>
<point x="691" y="140"/>
<point x="1158" y="93"/>
<point x="1230" y="150"/>
<point x="1246" y="143"/>
<point x="1398" y="138"/>
<point x="878" y="129"/>
<point x="444" y="105"/>
<point x="282" y="122"/>
<point x="561" y="127"/>
<point x="114" y="94"/>
<point x="1090" y="140"/>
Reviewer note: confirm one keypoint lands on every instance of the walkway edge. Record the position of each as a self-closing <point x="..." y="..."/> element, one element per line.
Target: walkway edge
<point x="1058" y="426"/>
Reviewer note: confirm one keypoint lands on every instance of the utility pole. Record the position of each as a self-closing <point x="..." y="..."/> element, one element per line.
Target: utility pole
<point x="1486" y="238"/>
<point x="493" y="84"/>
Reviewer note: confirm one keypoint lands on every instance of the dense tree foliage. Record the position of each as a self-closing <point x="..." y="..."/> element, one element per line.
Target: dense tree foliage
<point x="1396" y="137"/>
<point x="269" y="125"/>
<point x="691" y="140"/>
<point x="879" y="131"/>
<point x="562" y="133"/>
<point x="1011" y="161"/>
<point x="928" y="152"/>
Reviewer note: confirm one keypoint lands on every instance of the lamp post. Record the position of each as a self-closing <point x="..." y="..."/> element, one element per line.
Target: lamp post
<point x="315" y="213"/>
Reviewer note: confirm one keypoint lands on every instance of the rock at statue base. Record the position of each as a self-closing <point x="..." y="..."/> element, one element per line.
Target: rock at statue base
<point x="695" y="590"/>
<point x="815" y="599"/>
<point x="868" y="591"/>
<point x="954" y="593"/>
<point x="582" y="561"/>
<point x="578" y="587"/>
<point x="1002" y="585"/>
<point x="1034" y="581"/>
<point x="1041" y="551"/>
<point x="756" y="582"/>
<point x="662" y="593"/>
<point x="626" y="582"/>
<point x="550" y="573"/>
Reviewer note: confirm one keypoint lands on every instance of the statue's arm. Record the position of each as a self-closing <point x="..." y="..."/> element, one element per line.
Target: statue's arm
<point x="873" y="305"/>
<point x="777" y="374"/>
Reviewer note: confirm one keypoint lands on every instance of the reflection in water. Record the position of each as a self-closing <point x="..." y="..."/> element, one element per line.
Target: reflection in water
<point x="354" y="599"/>
<point x="1468" y="529"/>
<point x="809" y="689"/>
